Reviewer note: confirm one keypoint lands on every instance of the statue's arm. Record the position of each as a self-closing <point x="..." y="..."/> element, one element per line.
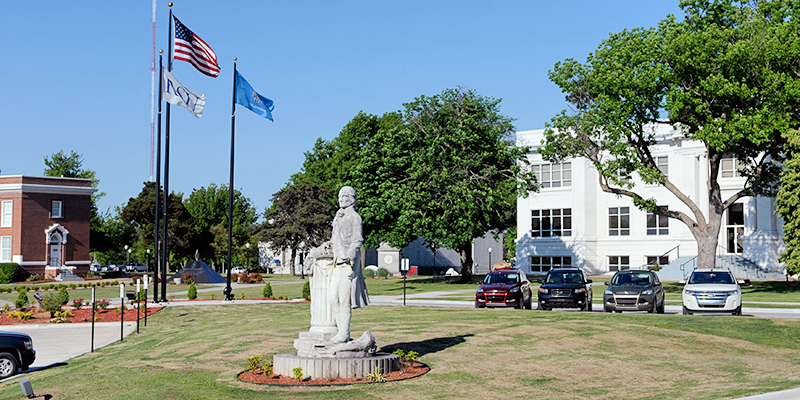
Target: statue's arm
<point x="356" y="238"/>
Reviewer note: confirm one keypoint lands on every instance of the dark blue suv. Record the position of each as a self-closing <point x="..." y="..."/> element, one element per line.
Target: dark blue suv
<point x="16" y="352"/>
<point x="565" y="288"/>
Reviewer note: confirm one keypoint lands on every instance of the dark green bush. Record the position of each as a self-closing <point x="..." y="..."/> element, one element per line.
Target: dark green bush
<point x="368" y="273"/>
<point x="8" y="272"/>
<point x="22" y="299"/>
<point x="383" y="272"/>
<point x="307" y="291"/>
<point x="267" y="291"/>
<point x="63" y="296"/>
<point x="52" y="302"/>
<point x="192" y="291"/>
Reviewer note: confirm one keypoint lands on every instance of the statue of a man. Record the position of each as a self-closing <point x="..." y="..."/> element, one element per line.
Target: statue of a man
<point x="347" y="287"/>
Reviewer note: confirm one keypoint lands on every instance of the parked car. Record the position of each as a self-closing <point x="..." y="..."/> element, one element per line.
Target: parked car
<point x="634" y="290"/>
<point x="137" y="267"/>
<point x="238" y="270"/>
<point x="16" y="352"/>
<point x="712" y="291"/>
<point x="504" y="288"/>
<point x="565" y="288"/>
<point x="96" y="267"/>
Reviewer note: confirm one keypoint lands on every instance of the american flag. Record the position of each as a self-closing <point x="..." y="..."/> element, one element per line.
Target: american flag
<point x="189" y="47"/>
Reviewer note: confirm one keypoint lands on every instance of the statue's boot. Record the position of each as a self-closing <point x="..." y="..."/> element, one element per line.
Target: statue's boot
<point x="342" y="319"/>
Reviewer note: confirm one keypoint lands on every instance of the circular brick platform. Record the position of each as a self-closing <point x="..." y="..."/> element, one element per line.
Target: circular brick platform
<point x="314" y="367"/>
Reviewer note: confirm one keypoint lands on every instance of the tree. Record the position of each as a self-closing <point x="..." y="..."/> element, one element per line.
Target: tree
<point x="139" y="213"/>
<point x="448" y="173"/>
<point x="71" y="166"/>
<point x="725" y="76"/>
<point x="209" y="207"/>
<point x="788" y="204"/>
<point x="300" y="213"/>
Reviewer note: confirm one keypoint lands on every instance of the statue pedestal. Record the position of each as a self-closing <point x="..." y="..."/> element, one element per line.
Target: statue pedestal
<point x="349" y="367"/>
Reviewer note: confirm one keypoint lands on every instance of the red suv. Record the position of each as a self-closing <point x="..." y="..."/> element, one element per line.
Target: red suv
<point x="504" y="288"/>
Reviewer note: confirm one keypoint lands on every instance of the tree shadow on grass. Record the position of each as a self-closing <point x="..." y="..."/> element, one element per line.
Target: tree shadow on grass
<point x="427" y="346"/>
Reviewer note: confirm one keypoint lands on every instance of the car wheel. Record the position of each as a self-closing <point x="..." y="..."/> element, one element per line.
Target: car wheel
<point x="738" y="311"/>
<point x="660" y="308"/>
<point x="8" y="365"/>
<point x="544" y="308"/>
<point x="606" y="309"/>
<point x="652" y="309"/>
<point x="479" y="305"/>
<point x="528" y="305"/>
<point x="520" y="305"/>
<point x="590" y="305"/>
<point x="686" y="311"/>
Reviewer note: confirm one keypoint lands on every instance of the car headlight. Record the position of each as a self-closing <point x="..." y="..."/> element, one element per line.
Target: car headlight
<point x="514" y="290"/>
<point x="690" y="292"/>
<point x="29" y="344"/>
<point x="647" y="292"/>
<point x="609" y="292"/>
<point x="480" y="290"/>
<point x="544" y="290"/>
<point x="733" y="293"/>
<point x="580" y="290"/>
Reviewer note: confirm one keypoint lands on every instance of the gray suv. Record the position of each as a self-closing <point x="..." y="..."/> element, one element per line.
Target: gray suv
<point x="634" y="290"/>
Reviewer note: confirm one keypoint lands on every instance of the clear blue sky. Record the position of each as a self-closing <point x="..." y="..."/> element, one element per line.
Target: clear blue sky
<point x="76" y="76"/>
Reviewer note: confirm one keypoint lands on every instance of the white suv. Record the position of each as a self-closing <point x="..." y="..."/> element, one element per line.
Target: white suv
<point x="712" y="290"/>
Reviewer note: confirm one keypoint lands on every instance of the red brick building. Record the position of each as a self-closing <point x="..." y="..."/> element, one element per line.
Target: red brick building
<point x="44" y="223"/>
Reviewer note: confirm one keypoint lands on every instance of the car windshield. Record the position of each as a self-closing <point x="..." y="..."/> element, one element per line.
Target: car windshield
<point x="563" y="277"/>
<point x="631" y="278"/>
<point x="711" y="277"/>
<point x="501" y="279"/>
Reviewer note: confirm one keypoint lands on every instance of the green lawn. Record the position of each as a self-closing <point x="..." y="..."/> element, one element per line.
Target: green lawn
<point x="196" y="353"/>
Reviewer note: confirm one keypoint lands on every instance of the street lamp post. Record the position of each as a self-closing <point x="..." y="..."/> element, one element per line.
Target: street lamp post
<point x="128" y="255"/>
<point x="247" y="254"/>
<point x="490" y="258"/>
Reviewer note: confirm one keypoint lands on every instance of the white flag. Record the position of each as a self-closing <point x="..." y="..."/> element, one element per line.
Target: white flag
<point x="175" y="93"/>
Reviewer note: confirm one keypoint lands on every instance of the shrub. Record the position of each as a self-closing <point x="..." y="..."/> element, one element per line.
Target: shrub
<point x="63" y="314"/>
<point x="267" y="291"/>
<point x="77" y="303"/>
<point x="51" y="302"/>
<point x="22" y="299"/>
<point x="298" y="374"/>
<point x="22" y="315"/>
<point x="213" y="296"/>
<point x="102" y="304"/>
<point x="188" y="278"/>
<point x="267" y="368"/>
<point x="382" y="272"/>
<point x="368" y="273"/>
<point x="307" y="291"/>
<point x="376" y="376"/>
<point x="254" y="363"/>
<point x="72" y="286"/>
<point x="243" y="297"/>
<point x="192" y="291"/>
<point x="34" y="278"/>
<point x="8" y="272"/>
<point x="63" y="296"/>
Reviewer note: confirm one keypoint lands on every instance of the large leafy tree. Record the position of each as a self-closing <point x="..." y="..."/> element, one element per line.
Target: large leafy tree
<point x="788" y="204"/>
<point x="448" y="172"/>
<point x="725" y="76"/>
<point x="301" y="213"/>
<point x="209" y="207"/>
<point x="139" y="213"/>
<point x="71" y="166"/>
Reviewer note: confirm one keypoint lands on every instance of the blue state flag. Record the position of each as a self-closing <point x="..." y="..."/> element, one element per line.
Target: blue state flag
<point x="246" y="96"/>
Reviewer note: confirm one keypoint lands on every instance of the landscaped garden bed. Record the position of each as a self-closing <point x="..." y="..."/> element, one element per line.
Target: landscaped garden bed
<point x="78" y="316"/>
<point x="258" y="376"/>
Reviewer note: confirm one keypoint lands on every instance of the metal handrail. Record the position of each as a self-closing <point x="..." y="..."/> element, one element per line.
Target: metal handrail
<point x="692" y="260"/>
<point x="656" y="263"/>
<point x="670" y="250"/>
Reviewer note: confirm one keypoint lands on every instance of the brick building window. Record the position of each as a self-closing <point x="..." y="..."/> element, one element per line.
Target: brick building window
<point x="56" y="210"/>
<point x="551" y="223"/>
<point x="5" y="249"/>
<point x="7" y="213"/>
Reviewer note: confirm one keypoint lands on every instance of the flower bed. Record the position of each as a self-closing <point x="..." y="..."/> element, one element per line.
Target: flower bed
<point x="82" y="315"/>
<point x="258" y="376"/>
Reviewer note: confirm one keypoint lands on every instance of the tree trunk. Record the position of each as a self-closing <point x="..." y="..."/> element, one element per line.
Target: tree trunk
<point x="466" y="262"/>
<point x="291" y="262"/>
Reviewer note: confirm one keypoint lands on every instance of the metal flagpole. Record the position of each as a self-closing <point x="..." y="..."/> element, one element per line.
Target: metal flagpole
<point x="157" y="245"/>
<point x="165" y="253"/>
<point x="228" y="291"/>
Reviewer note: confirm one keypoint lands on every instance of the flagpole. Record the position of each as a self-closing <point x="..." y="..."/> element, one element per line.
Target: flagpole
<point x="165" y="252"/>
<point x="228" y="291"/>
<point x="156" y="259"/>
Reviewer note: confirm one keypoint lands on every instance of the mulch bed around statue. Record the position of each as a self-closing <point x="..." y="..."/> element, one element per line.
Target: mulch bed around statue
<point x="257" y="376"/>
<point x="78" y="316"/>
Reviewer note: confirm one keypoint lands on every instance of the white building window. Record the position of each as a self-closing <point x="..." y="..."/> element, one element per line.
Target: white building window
<point x="657" y="260"/>
<point x="619" y="221"/>
<point x="544" y="264"/>
<point x="663" y="164"/>
<point x="5" y="249"/>
<point x="56" y="211"/>
<point x="8" y="215"/>
<point x="729" y="167"/>
<point x="657" y="224"/>
<point x="551" y="223"/>
<point x="619" y="263"/>
<point x="553" y="175"/>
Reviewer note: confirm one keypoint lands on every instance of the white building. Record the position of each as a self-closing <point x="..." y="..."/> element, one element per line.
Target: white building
<point x="572" y="222"/>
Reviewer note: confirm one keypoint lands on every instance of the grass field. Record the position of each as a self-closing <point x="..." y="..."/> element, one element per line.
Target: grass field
<point x="196" y="353"/>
